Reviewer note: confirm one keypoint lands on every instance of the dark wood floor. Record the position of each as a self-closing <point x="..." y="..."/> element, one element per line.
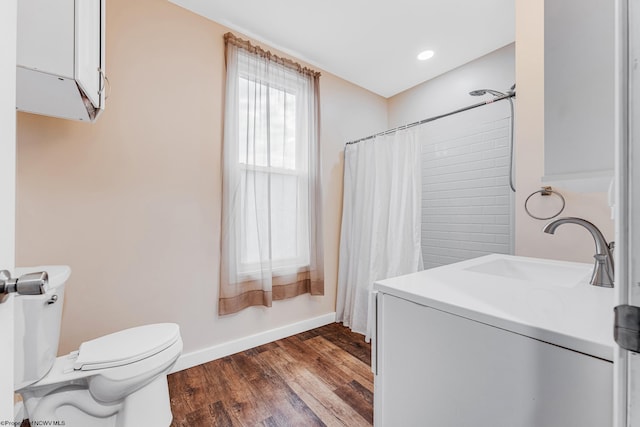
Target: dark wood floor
<point x="317" y="378"/>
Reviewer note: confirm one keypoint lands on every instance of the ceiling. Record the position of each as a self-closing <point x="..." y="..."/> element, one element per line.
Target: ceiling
<point x="372" y="43"/>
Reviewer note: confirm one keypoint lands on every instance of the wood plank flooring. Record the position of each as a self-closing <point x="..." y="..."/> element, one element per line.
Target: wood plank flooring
<point x="317" y="378"/>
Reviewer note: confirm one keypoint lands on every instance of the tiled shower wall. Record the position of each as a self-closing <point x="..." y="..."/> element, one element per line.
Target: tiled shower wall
<point x="466" y="201"/>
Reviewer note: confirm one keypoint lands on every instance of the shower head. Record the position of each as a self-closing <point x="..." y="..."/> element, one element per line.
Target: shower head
<point x="480" y="92"/>
<point x="500" y="95"/>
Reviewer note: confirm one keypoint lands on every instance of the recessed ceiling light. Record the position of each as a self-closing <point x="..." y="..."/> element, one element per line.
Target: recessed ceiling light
<point x="423" y="56"/>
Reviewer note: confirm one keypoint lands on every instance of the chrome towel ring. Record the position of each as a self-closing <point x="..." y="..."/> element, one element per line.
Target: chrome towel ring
<point x="544" y="191"/>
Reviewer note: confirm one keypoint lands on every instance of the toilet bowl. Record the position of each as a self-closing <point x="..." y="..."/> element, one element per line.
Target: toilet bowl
<point x="118" y="380"/>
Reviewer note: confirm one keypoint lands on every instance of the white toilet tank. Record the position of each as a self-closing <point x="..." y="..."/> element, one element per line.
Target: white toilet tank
<point x="37" y="326"/>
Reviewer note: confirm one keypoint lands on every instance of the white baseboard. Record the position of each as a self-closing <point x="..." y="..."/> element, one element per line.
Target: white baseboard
<point x="205" y="355"/>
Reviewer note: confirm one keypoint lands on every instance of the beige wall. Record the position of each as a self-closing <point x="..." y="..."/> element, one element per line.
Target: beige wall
<point x="570" y="242"/>
<point x="132" y="202"/>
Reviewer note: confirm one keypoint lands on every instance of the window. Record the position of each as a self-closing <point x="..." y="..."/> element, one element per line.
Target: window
<point x="271" y="215"/>
<point x="272" y="161"/>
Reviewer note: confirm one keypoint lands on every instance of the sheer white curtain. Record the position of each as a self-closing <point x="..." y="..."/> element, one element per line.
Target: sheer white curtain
<point x="271" y="224"/>
<point x="380" y="236"/>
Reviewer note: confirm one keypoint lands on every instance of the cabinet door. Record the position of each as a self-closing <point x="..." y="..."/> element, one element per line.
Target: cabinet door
<point x="627" y="362"/>
<point x="579" y="92"/>
<point x="439" y="369"/>
<point x="7" y="194"/>
<point x="45" y="36"/>
<point x="88" y="42"/>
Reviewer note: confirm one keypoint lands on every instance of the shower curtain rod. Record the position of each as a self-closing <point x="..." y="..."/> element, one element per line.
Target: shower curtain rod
<point x="430" y="119"/>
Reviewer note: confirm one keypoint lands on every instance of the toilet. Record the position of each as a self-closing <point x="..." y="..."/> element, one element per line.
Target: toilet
<point x="118" y="380"/>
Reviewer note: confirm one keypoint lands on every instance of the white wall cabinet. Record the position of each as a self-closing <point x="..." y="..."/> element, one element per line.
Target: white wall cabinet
<point x="61" y="58"/>
<point x="579" y="94"/>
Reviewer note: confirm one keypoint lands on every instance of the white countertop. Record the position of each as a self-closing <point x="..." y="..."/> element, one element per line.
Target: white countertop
<point x="558" y="306"/>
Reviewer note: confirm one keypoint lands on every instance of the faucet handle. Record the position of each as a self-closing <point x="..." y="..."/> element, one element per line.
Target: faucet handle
<point x="32" y="283"/>
<point x="27" y="284"/>
<point x="602" y="272"/>
<point x="612" y="245"/>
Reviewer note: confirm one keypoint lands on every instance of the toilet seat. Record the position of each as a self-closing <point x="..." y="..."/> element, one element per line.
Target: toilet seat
<point x="126" y="347"/>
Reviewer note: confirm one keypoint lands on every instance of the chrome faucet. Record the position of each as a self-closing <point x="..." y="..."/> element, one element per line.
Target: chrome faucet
<point x="603" y="267"/>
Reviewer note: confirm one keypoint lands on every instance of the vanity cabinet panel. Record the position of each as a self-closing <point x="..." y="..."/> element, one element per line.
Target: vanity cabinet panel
<point x="434" y="368"/>
<point x="88" y="62"/>
<point x="46" y="36"/>
<point x="579" y="93"/>
<point x="61" y="58"/>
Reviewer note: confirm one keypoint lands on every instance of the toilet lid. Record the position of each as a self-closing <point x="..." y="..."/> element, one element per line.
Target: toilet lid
<point x="124" y="347"/>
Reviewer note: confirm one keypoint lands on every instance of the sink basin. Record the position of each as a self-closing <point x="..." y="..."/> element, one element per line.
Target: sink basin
<point x="545" y="271"/>
<point x="548" y="300"/>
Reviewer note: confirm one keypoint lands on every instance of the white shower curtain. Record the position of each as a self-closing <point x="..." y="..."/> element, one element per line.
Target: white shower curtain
<point x="380" y="236"/>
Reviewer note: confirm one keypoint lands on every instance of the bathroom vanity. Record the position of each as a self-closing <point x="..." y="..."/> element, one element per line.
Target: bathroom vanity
<point x="494" y="341"/>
